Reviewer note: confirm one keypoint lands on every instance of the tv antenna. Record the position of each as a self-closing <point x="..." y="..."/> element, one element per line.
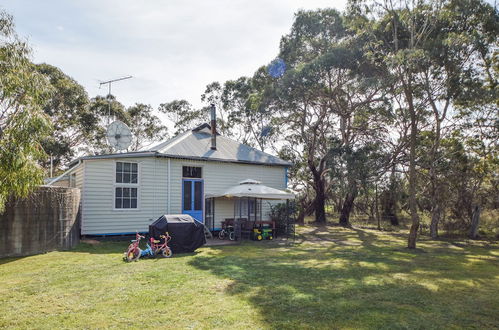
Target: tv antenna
<point x="109" y="83"/>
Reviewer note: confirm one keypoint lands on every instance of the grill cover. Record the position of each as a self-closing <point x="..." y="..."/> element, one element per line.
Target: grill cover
<point x="187" y="234"/>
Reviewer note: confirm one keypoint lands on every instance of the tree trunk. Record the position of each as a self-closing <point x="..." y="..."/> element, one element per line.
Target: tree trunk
<point x="394" y="220"/>
<point x="413" y="233"/>
<point x="435" y="219"/>
<point x="320" y="199"/>
<point x="435" y="192"/>
<point x="378" y="218"/>
<point x="390" y="200"/>
<point x="475" y="222"/>
<point x="347" y="207"/>
<point x="300" y="218"/>
<point x="306" y="208"/>
<point x="320" y="204"/>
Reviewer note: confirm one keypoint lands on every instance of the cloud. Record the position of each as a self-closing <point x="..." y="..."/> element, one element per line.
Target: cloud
<point x="172" y="48"/>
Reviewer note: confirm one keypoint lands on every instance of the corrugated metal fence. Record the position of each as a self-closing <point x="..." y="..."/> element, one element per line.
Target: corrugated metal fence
<point x="48" y="220"/>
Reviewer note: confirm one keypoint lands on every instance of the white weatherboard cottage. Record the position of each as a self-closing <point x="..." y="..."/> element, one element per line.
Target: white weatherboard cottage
<point x="123" y="193"/>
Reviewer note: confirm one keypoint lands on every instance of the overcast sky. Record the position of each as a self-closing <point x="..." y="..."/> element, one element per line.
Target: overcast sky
<point x="172" y="48"/>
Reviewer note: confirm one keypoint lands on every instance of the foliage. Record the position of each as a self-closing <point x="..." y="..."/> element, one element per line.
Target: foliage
<point x="183" y="115"/>
<point x="282" y="214"/>
<point x="242" y="113"/>
<point x="435" y="56"/>
<point x="371" y="105"/>
<point x="146" y="127"/>
<point x="330" y="92"/>
<point x="23" y="125"/>
<point x="72" y="120"/>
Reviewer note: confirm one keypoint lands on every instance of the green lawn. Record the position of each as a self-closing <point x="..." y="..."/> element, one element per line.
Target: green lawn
<point x="332" y="278"/>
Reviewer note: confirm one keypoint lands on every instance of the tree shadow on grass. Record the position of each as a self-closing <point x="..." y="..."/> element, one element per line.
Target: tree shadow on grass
<point x="82" y="247"/>
<point x="350" y="286"/>
<point x="6" y="260"/>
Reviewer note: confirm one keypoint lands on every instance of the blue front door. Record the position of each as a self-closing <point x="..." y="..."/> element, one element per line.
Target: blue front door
<point x="192" y="198"/>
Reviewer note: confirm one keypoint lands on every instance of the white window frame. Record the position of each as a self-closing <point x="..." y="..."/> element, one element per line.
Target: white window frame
<point x="127" y="185"/>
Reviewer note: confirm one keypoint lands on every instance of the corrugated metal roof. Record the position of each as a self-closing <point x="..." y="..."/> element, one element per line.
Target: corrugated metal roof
<point x="120" y="155"/>
<point x="196" y="143"/>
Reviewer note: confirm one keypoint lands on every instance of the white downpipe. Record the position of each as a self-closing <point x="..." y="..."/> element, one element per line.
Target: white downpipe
<point x="154" y="214"/>
<point x="169" y="184"/>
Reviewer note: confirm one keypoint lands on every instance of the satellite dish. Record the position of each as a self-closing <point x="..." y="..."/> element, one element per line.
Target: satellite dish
<point x="119" y="135"/>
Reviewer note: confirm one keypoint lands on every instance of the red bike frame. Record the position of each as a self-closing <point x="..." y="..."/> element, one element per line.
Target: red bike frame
<point x="133" y="251"/>
<point x="162" y="248"/>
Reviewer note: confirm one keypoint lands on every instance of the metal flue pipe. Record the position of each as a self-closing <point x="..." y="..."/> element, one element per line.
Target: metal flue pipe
<point x="213" y="125"/>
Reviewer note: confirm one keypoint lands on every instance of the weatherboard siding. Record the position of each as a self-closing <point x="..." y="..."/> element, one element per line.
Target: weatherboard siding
<point x="79" y="176"/>
<point x="219" y="176"/>
<point x="100" y="217"/>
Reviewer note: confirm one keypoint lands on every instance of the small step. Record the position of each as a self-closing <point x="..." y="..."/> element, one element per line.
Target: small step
<point x="207" y="233"/>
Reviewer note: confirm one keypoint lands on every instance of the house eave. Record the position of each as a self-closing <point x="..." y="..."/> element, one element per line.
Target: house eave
<point x="213" y="159"/>
<point x="162" y="155"/>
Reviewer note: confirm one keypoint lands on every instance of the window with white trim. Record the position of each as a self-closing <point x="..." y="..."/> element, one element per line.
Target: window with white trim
<point x="126" y="190"/>
<point x="126" y="172"/>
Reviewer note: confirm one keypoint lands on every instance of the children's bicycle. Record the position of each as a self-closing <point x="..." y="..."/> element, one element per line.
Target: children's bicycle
<point x="158" y="248"/>
<point x="133" y="252"/>
<point x="154" y="249"/>
<point x="227" y="232"/>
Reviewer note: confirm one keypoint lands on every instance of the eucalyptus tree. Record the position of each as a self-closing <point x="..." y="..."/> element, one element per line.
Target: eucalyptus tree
<point x="213" y="94"/>
<point x="329" y="92"/>
<point x="428" y="49"/>
<point x="79" y="123"/>
<point x="243" y="113"/>
<point x="183" y="115"/>
<point x="244" y="99"/>
<point x="358" y="166"/>
<point x="68" y="109"/>
<point x="146" y="127"/>
<point x="401" y="31"/>
<point x="398" y="33"/>
<point x="478" y="127"/>
<point x="102" y="111"/>
<point x="23" y="124"/>
<point x="477" y="106"/>
<point x="456" y="65"/>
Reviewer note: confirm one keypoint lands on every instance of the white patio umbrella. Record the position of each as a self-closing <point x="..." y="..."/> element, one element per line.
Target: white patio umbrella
<point x="253" y="189"/>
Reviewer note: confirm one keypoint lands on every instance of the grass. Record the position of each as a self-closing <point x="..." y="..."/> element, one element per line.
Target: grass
<point x="331" y="278"/>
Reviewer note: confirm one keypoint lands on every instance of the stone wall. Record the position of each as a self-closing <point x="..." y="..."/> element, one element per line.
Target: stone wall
<point x="47" y="220"/>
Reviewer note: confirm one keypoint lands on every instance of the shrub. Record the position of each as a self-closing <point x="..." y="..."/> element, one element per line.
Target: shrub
<point x="279" y="213"/>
